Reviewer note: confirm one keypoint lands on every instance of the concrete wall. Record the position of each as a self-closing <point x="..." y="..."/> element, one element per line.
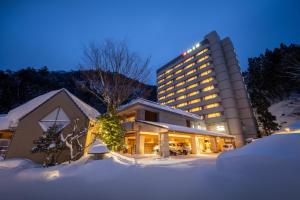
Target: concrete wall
<point x="29" y="129"/>
<point x="242" y="102"/>
<point x="226" y="93"/>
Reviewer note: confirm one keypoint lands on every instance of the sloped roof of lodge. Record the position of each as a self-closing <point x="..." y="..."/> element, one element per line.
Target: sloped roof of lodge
<point x="184" y="129"/>
<point x="156" y="105"/>
<point x="11" y="119"/>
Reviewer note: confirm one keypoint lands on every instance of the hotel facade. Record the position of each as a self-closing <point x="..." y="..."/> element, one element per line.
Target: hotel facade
<point x="206" y="80"/>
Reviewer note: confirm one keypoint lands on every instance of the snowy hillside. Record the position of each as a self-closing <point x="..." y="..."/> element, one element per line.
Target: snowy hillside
<point x="286" y="112"/>
<point x="265" y="169"/>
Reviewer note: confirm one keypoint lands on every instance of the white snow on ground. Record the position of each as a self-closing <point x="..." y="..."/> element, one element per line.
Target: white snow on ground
<point x="265" y="169"/>
<point x="286" y="112"/>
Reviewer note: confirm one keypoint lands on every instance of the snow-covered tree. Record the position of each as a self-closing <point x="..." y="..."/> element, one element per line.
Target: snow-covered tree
<point x="73" y="141"/>
<point x="111" y="131"/>
<point x="52" y="143"/>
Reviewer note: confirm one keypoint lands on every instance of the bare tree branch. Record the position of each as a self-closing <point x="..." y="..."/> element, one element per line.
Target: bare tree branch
<point x="112" y="73"/>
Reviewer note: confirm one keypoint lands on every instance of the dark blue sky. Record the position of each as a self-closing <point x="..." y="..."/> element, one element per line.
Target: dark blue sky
<point x="53" y="33"/>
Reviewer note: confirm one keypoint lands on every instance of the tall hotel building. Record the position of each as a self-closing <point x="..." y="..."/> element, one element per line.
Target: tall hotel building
<point x="206" y="80"/>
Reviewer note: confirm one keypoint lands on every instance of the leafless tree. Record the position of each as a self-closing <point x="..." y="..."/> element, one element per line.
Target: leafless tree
<point x="113" y="73"/>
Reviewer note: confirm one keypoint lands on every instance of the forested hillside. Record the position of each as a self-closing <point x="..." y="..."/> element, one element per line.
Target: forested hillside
<point x="270" y="78"/>
<point x="17" y="87"/>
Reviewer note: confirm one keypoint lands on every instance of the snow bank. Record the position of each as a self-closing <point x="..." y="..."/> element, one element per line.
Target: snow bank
<point x="286" y="112"/>
<point x="16" y="164"/>
<point x="270" y="154"/>
<point x="98" y="148"/>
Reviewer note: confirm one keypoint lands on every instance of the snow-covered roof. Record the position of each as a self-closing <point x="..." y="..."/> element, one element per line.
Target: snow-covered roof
<point x="184" y="129"/>
<point x="12" y="118"/>
<point x="158" y="106"/>
<point x="98" y="147"/>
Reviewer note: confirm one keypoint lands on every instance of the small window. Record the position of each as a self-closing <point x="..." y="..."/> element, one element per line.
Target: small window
<point x="188" y="123"/>
<point x="56" y="118"/>
<point x="151" y="116"/>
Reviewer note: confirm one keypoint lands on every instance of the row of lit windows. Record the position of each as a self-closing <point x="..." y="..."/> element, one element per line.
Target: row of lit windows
<point x="186" y="74"/>
<point x="202" y="59"/>
<point x="208" y="97"/>
<point x="185" y="61"/>
<point x="202" y="51"/>
<point x="213" y="105"/>
<point x="212" y="115"/>
<point x="209" y="106"/>
<point x="188" y="80"/>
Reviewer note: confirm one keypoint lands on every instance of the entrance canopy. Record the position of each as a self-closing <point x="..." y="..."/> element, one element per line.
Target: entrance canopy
<point x="183" y="129"/>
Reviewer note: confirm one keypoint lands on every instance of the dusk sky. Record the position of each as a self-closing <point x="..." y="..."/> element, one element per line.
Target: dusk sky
<point x="53" y="33"/>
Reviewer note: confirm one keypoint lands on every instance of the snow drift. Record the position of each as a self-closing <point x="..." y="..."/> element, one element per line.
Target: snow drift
<point x="270" y="154"/>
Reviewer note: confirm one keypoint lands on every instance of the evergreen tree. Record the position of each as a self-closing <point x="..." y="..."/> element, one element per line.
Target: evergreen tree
<point x="50" y="144"/>
<point x="111" y="132"/>
<point x="272" y="77"/>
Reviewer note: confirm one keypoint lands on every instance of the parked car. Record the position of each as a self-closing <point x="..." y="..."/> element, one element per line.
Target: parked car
<point x="228" y="147"/>
<point x="183" y="148"/>
<point x="175" y="149"/>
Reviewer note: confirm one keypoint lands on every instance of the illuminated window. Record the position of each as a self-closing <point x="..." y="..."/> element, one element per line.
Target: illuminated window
<point x="159" y="76"/>
<point x="206" y="72"/>
<point x="163" y="103"/>
<point x="179" y="84"/>
<point x="194" y="101"/>
<point x="189" y="66"/>
<point x="178" y="71"/>
<point x="213" y="105"/>
<point x="169" y="70"/>
<point x="190" y="72"/>
<point x="178" y="65"/>
<point x="220" y="128"/>
<point x="207" y="80"/>
<point x="160" y="81"/>
<point x="130" y="118"/>
<point x="189" y="59"/>
<point x="170" y="101"/>
<point x="208" y="88"/>
<point x="181" y="105"/>
<point x="192" y="93"/>
<point x="161" y="92"/>
<point x="57" y="117"/>
<point x="170" y="88"/>
<point x="195" y="109"/>
<point x="170" y="76"/>
<point x="179" y="77"/>
<point x="160" y="86"/>
<point x="181" y="97"/>
<point x="204" y="65"/>
<point x="169" y="82"/>
<point x="192" y="78"/>
<point x="212" y="115"/>
<point x="212" y="96"/>
<point x="202" y="51"/>
<point x="202" y="59"/>
<point x="161" y="98"/>
<point x="192" y="86"/>
<point x="181" y="90"/>
<point x="170" y="94"/>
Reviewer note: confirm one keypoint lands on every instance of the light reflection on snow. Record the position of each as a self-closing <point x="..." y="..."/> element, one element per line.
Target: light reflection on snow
<point x="52" y="175"/>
